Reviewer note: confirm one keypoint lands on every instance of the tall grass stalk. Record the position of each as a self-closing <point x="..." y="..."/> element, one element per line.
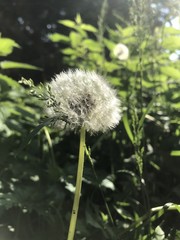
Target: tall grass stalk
<point x="100" y="34"/>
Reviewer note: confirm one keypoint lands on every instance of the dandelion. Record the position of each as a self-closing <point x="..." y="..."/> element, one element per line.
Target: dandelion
<point x="83" y="99"/>
<point x="121" y="51"/>
<point x="78" y="100"/>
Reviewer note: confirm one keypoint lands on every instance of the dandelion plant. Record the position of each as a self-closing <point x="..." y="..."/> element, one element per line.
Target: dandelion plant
<point x="121" y="51"/>
<point x="79" y="101"/>
<point x="82" y="101"/>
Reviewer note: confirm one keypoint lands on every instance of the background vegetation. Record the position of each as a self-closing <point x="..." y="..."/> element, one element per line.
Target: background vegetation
<point x="131" y="170"/>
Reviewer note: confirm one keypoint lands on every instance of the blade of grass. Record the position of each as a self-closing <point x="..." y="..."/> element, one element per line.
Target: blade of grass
<point x="141" y="121"/>
<point x="127" y="127"/>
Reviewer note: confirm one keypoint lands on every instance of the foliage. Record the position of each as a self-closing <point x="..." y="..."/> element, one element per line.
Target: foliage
<point x="148" y="74"/>
<point x="128" y="172"/>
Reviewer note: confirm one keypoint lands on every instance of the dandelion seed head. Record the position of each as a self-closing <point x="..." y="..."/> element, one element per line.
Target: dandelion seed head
<point x="83" y="99"/>
<point x="121" y="51"/>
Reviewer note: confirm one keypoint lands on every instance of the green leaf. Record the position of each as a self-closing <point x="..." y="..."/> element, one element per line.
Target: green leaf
<point x="129" y="40"/>
<point x="175" y="105"/>
<point x="106" y="183"/>
<point x="110" y="66"/>
<point x="10" y="64"/>
<point x="104" y="217"/>
<point x="68" y="51"/>
<point x="177" y="207"/>
<point x="96" y="58"/>
<point x="109" y="44"/>
<point x="171" y="42"/>
<point x="132" y="64"/>
<point x="127" y="127"/>
<point x="170" y="71"/>
<point x="128" y="31"/>
<point x="75" y="39"/>
<point x="119" y="28"/>
<point x="175" y="153"/>
<point x="67" y="23"/>
<point x="7" y="45"/>
<point x="88" y="27"/>
<point x="123" y="213"/>
<point x="171" y="30"/>
<point x="56" y="37"/>
<point x="122" y="93"/>
<point x="9" y="81"/>
<point x="92" y="45"/>
<point x="78" y="19"/>
<point x="159" y="233"/>
<point x="115" y="81"/>
<point x="26" y="112"/>
<point x="130" y="173"/>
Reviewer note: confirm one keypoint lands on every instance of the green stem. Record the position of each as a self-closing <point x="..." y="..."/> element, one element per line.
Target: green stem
<point x="78" y="186"/>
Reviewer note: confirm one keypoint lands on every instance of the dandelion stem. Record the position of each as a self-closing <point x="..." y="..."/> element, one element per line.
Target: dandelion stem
<point x="78" y="186"/>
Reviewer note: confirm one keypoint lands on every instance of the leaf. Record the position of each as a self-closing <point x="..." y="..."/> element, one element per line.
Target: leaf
<point x="104" y="217"/>
<point x="78" y="19"/>
<point x="115" y="81"/>
<point x="177" y="234"/>
<point x="171" y="42"/>
<point x="26" y="112"/>
<point x="92" y="45"/>
<point x="127" y="127"/>
<point x="128" y="31"/>
<point x="67" y="23"/>
<point x="132" y="64"/>
<point x="119" y="28"/>
<point x="123" y="213"/>
<point x="56" y="37"/>
<point x="68" y="51"/>
<point x="75" y="39"/>
<point x="171" y="30"/>
<point x="110" y="66"/>
<point x="175" y="153"/>
<point x="159" y="233"/>
<point x="88" y="27"/>
<point x="108" y="184"/>
<point x="170" y="71"/>
<point x="7" y="45"/>
<point x="130" y="173"/>
<point x="10" y="64"/>
<point x="109" y="44"/>
<point x="129" y="40"/>
<point x="177" y="207"/>
<point x="9" y="81"/>
<point x="175" y="105"/>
